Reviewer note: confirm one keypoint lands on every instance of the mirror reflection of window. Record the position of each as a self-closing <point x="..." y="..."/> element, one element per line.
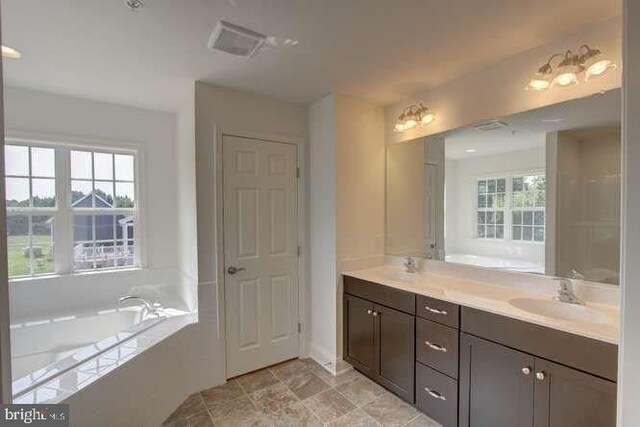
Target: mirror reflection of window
<point x="538" y="194"/>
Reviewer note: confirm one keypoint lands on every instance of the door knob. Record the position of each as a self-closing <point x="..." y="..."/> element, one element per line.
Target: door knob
<point x="233" y="270"/>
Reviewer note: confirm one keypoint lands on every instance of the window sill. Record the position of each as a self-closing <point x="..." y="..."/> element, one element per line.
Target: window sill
<point x="43" y="277"/>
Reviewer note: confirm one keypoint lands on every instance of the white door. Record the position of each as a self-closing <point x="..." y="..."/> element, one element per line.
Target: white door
<point x="260" y="253"/>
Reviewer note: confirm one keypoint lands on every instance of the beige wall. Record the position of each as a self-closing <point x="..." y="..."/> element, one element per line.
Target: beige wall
<point x="498" y="90"/>
<point x="405" y="204"/>
<point x="347" y="206"/>
<point x="360" y="179"/>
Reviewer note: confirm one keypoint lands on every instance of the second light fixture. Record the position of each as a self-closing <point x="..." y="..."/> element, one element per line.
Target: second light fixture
<point x="587" y="60"/>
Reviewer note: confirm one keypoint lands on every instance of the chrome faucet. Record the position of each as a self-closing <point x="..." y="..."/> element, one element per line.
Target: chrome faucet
<point x="411" y="265"/>
<point x="150" y="308"/>
<point x="565" y="292"/>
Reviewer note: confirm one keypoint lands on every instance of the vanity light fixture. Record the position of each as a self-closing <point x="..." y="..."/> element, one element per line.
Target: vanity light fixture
<point x="412" y="116"/>
<point x="587" y="60"/>
<point x="9" y="52"/>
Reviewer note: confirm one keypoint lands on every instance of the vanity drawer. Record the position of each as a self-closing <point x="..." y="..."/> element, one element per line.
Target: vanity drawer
<point x="438" y="311"/>
<point x="383" y="295"/>
<point x="437" y="395"/>
<point x="437" y="347"/>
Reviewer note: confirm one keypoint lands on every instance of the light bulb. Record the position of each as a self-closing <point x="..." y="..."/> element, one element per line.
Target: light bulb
<point x="598" y="68"/>
<point x="539" y="84"/>
<point x="399" y="126"/>
<point x="566" y="79"/>
<point x="9" y="52"/>
<point x="428" y="118"/>
<point x="409" y="124"/>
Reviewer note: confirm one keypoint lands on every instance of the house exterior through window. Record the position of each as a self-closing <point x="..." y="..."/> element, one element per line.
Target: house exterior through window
<point x="511" y="208"/>
<point x="80" y="202"/>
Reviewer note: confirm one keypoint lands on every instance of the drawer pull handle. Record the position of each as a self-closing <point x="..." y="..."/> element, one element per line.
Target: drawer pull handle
<point x="434" y="394"/>
<point x="435" y="310"/>
<point x="436" y="347"/>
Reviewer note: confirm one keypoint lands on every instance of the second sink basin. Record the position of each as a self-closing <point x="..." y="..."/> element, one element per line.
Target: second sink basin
<point x="560" y="310"/>
<point x="401" y="275"/>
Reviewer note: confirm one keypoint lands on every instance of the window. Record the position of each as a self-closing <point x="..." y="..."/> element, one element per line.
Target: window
<point x="511" y="208"/>
<point x="527" y="207"/>
<point x="31" y="203"/>
<point x="103" y="205"/>
<point x="490" y="208"/>
<point x="80" y="202"/>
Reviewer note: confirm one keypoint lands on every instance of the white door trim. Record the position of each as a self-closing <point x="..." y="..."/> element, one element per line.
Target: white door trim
<point x="302" y="206"/>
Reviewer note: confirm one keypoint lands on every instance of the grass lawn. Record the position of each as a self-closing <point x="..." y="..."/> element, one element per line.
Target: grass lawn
<point x="19" y="262"/>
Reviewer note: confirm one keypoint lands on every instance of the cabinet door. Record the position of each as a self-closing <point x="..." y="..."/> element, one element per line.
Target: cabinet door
<point x="496" y="385"/>
<point x="395" y="333"/>
<point x="565" y="397"/>
<point x="359" y="334"/>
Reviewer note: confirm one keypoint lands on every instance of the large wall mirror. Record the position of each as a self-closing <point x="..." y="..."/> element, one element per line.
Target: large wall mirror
<point x="536" y="192"/>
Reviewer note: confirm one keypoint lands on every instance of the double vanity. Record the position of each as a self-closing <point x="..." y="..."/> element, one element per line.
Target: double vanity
<point x="469" y="353"/>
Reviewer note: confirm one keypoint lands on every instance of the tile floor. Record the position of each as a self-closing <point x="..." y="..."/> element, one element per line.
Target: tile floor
<point x="297" y="393"/>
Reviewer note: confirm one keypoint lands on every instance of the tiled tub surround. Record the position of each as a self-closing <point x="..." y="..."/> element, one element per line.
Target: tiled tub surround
<point x="297" y="393"/>
<point x="494" y="298"/>
<point x="60" y="380"/>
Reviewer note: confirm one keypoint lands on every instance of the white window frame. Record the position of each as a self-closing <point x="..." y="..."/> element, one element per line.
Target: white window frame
<point x="63" y="212"/>
<point x="504" y="210"/>
<point x="508" y="209"/>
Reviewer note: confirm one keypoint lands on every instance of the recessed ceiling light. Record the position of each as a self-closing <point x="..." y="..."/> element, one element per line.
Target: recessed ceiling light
<point x="9" y="52"/>
<point x="470" y="150"/>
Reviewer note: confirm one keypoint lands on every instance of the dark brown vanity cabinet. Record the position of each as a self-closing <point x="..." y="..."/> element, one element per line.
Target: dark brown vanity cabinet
<point x="500" y="385"/>
<point x="380" y="340"/>
<point x="468" y="367"/>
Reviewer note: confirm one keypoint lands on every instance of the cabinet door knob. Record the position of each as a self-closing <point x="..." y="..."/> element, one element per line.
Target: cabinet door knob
<point x="369" y="311"/>
<point x="540" y="376"/>
<point x="375" y="313"/>
<point x="526" y="370"/>
<point x="436" y="347"/>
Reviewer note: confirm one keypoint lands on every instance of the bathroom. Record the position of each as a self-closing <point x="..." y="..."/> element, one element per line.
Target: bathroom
<point x="211" y="231"/>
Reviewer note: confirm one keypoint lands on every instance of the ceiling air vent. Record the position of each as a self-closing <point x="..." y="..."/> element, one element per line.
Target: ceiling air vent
<point x="490" y="125"/>
<point x="235" y="40"/>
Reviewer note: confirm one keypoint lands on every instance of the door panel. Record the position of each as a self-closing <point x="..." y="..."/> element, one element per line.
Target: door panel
<point x="569" y="398"/>
<point x="260" y="237"/>
<point x="396" y="346"/>
<point x="494" y="391"/>
<point x="359" y="334"/>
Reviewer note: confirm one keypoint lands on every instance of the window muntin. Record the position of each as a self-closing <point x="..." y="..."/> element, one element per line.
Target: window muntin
<point x="511" y="208"/>
<point x="37" y="223"/>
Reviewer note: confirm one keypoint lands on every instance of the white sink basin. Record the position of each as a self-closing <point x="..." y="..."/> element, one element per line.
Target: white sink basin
<point x="403" y="276"/>
<point x="560" y="310"/>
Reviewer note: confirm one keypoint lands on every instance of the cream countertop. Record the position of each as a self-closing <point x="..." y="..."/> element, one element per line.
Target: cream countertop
<point x="494" y="299"/>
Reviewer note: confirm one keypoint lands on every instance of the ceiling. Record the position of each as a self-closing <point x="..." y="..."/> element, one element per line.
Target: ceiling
<point x="380" y="50"/>
<point x="528" y="130"/>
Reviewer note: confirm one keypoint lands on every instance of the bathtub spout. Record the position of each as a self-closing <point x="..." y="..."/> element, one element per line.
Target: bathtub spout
<point x="150" y="308"/>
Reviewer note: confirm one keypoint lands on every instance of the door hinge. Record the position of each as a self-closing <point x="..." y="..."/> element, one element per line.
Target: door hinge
<point x="299" y="251"/>
<point x="299" y="328"/>
<point x="298" y="172"/>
